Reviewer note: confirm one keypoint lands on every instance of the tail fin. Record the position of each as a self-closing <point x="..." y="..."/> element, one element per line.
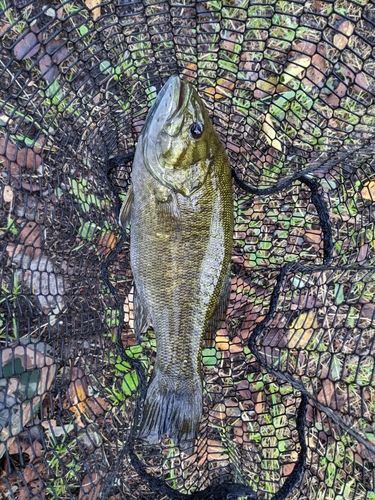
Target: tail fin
<point x="172" y="407"/>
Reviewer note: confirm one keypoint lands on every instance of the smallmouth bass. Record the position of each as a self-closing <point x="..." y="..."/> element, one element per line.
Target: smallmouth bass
<point x="180" y="207"/>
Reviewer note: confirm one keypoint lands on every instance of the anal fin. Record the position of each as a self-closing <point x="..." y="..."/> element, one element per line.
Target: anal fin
<point x="141" y="317"/>
<point x="219" y="314"/>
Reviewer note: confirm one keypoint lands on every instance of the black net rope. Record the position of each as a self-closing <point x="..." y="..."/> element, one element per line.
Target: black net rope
<point x="289" y="390"/>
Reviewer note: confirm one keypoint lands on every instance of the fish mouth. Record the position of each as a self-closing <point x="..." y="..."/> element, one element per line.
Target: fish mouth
<point x="166" y="114"/>
<point x="180" y="94"/>
<point x="183" y="92"/>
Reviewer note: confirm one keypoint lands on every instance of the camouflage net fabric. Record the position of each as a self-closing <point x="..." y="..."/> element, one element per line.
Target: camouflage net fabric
<point x="289" y="390"/>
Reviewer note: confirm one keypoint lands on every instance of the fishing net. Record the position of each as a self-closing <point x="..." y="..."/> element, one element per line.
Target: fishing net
<point x="289" y="391"/>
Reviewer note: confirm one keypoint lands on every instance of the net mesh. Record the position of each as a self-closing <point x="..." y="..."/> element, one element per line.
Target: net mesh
<point x="289" y="391"/>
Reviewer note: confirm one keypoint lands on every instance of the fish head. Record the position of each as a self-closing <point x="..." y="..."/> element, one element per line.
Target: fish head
<point x="178" y="138"/>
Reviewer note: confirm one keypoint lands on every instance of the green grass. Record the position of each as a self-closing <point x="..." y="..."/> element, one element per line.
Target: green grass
<point x="125" y="377"/>
<point x="17" y="25"/>
<point x="65" y="465"/>
<point x="10" y="227"/>
<point x="56" y="96"/>
<point x="338" y="470"/>
<point x="10" y="296"/>
<point x="13" y="111"/>
<point x="211" y="357"/>
<point x="263" y="248"/>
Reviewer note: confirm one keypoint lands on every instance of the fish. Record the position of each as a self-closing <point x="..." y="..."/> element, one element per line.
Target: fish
<point x="180" y="211"/>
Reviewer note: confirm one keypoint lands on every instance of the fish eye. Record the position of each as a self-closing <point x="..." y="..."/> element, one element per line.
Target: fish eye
<point x="196" y="130"/>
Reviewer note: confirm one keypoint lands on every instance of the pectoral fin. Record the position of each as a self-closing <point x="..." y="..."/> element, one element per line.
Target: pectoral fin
<point x="168" y="203"/>
<point x="171" y="208"/>
<point x="219" y="314"/>
<point x="125" y="211"/>
<point x="141" y="317"/>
